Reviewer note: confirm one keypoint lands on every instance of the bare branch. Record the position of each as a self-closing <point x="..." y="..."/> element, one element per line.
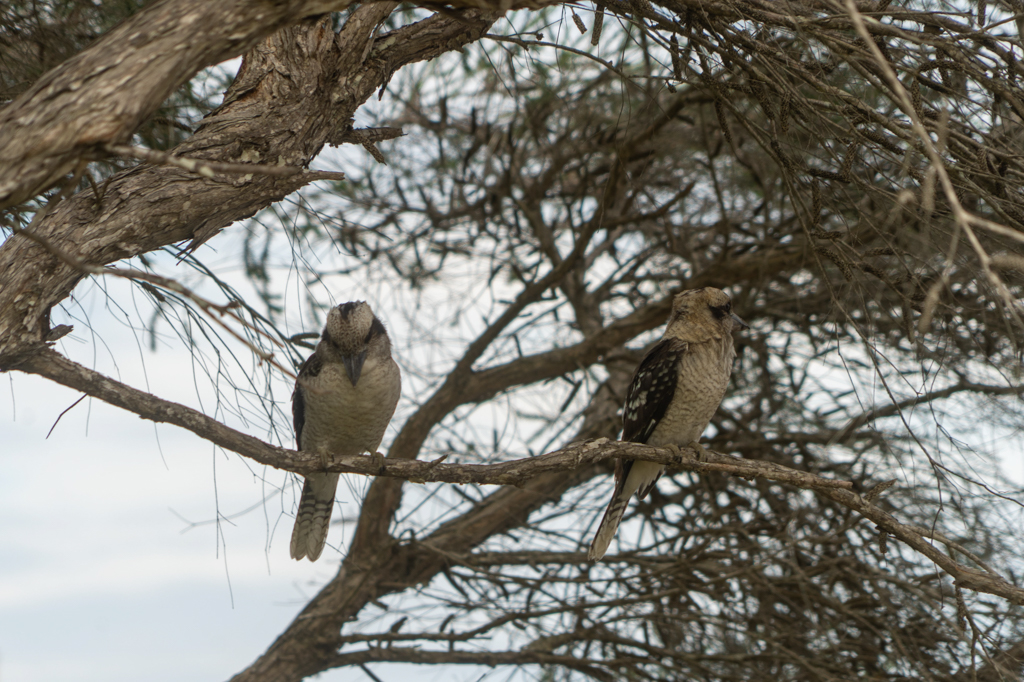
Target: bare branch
<point x="146" y="208"/>
<point x="209" y="169"/>
<point x="415" y="655"/>
<point x="51" y="365"/>
<point x="106" y="91"/>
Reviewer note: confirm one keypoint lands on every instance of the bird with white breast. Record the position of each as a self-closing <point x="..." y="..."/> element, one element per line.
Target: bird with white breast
<point x="674" y="393"/>
<point x="344" y="398"/>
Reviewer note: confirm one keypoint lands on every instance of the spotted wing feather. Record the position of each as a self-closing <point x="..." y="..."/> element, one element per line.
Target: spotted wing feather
<point x="649" y="395"/>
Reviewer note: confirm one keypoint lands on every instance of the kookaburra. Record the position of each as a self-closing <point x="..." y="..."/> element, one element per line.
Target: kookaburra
<point x="673" y="395"/>
<point x="345" y="395"/>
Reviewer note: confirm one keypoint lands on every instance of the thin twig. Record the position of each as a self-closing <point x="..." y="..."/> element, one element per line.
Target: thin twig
<point x="208" y="169"/>
<point x="66" y="410"/>
<point x="527" y="44"/>
<point x="207" y="306"/>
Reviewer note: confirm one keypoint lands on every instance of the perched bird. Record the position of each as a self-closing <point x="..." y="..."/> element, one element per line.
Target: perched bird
<point x="674" y="393"/>
<point x="344" y="397"/>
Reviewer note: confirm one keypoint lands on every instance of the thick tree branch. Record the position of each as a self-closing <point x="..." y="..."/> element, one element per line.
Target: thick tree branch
<point x="101" y="95"/>
<point x="209" y="169"/>
<point x="284" y="105"/>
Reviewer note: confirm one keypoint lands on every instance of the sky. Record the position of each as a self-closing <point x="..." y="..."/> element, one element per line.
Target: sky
<point x="112" y="567"/>
<point x="111" y="564"/>
<point x="101" y="573"/>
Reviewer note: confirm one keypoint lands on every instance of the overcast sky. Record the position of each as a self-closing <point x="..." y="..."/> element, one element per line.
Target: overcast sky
<point x="102" y="576"/>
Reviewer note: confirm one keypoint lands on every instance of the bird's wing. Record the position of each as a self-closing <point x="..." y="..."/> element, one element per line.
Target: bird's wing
<point x="310" y="368"/>
<point x="647" y="400"/>
<point x="650" y="393"/>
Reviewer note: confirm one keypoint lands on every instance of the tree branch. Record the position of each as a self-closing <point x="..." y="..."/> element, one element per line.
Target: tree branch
<point x="52" y="365"/>
<point x="101" y="95"/>
<point x="595" y="669"/>
<point x="271" y="113"/>
<point x="209" y="169"/>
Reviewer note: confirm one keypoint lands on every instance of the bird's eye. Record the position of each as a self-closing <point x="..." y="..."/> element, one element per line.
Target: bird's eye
<point x="719" y="311"/>
<point x="727" y="307"/>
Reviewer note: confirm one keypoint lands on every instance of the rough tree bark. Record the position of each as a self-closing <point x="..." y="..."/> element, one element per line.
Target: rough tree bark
<point x="101" y="95"/>
<point x="294" y="93"/>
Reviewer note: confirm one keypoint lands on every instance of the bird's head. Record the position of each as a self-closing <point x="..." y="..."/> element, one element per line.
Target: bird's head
<point x="351" y="333"/>
<point x="702" y="314"/>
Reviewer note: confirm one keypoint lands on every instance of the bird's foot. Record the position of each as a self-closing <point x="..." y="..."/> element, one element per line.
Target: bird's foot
<point x="677" y="452"/>
<point x="702" y="452"/>
<point x="378" y="463"/>
<point x="325" y="459"/>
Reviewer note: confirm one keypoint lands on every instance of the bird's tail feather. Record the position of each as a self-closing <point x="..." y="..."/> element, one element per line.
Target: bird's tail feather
<point x="609" y="524"/>
<point x="314" y="516"/>
<point x="630" y="477"/>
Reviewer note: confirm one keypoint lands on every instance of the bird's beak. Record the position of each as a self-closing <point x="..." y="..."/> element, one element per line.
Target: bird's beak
<point x="738" y="323"/>
<point x="354" y="366"/>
